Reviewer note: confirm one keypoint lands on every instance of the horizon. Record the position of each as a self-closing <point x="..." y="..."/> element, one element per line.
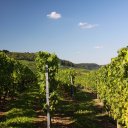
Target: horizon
<point x="58" y="57"/>
<point x="84" y="31"/>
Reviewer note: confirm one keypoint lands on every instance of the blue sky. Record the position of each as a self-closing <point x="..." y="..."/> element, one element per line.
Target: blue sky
<point x="87" y="31"/>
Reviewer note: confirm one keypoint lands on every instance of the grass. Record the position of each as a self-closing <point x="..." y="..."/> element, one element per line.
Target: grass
<point x="84" y="112"/>
<point x="18" y="122"/>
<point x="21" y="112"/>
<point x="80" y="112"/>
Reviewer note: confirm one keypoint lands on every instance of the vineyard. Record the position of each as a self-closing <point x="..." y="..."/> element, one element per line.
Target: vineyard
<point x="78" y="98"/>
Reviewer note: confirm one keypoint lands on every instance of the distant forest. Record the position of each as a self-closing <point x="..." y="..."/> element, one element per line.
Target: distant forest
<point x="64" y="63"/>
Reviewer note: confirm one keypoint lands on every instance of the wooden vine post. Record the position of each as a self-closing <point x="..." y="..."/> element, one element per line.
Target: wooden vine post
<point x="47" y="97"/>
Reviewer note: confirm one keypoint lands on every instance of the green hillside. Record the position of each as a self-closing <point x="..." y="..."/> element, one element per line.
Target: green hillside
<point x="29" y="58"/>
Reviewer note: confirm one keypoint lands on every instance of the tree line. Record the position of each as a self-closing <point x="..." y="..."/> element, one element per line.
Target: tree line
<point x="63" y="63"/>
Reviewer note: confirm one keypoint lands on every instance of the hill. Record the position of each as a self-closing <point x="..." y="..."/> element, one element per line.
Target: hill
<point x="29" y="58"/>
<point x="89" y="66"/>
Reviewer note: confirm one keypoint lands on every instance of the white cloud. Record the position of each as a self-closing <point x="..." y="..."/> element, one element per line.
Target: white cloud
<point x="85" y="25"/>
<point x="98" y="47"/>
<point x="54" y="15"/>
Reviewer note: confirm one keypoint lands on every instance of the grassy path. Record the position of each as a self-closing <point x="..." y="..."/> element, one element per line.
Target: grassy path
<point x="85" y="111"/>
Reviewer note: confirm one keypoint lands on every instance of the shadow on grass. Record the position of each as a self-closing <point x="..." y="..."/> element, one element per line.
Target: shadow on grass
<point x="79" y="112"/>
<point x="84" y="112"/>
<point x="22" y="111"/>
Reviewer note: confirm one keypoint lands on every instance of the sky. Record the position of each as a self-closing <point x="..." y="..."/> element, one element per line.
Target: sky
<point x="81" y="31"/>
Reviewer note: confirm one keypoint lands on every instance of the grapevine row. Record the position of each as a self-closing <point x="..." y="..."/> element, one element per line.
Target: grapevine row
<point x="111" y="84"/>
<point x="60" y="80"/>
<point x="14" y="77"/>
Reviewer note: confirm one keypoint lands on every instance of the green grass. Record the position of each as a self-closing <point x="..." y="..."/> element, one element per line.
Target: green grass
<point x="21" y="112"/>
<point x="18" y="122"/>
<point x="82" y="110"/>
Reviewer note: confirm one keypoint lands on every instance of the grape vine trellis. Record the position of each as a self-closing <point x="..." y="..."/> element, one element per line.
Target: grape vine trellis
<point x="111" y="84"/>
<point x="14" y="77"/>
<point x="44" y="59"/>
<point x="56" y="77"/>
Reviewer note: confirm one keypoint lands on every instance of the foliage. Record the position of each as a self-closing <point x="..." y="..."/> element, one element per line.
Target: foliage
<point x="29" y="58"/>
<point x="111" y="82"/>
<point x="30" y="64"/>
<point x="51" y="60"/>
<point x="14" y="77"/>
<point x="88" y="66"/>
<point x="66" y="79"/>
